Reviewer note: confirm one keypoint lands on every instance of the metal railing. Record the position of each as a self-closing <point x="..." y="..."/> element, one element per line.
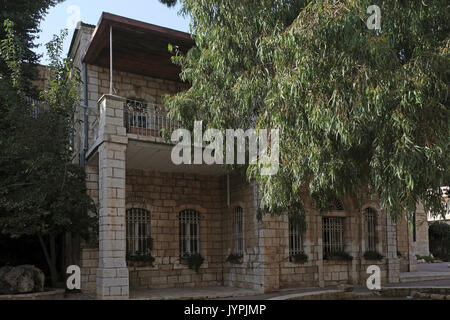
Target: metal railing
<point x="146" y="119"/>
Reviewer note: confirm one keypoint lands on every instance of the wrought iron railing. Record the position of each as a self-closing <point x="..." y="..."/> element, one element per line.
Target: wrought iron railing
<point x="146" y="119"/>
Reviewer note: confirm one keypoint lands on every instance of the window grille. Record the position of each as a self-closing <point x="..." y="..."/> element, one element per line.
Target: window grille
<point x="371" y="235"/>
<point x="295" y="237"/>
<point x="189" y="232"/>
<point x="138" y="232"/>
<point x="238" y="231"/>
<point x="333" y="234"/>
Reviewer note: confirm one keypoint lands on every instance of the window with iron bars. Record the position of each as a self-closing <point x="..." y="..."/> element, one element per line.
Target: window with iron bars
<point x="189" y="225"/>
<point x="238" y="235"/>
<point x="371" y="234"/>
<point x="138" y="232"/>
<point x="295" y="237"/>
<point x="333" y="234"/>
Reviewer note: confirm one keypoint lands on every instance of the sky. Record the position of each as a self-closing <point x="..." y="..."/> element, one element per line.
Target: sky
<point x="67" y="13"/>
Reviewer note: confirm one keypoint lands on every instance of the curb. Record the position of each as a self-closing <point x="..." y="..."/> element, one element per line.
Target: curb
<point x="33" y="296"/>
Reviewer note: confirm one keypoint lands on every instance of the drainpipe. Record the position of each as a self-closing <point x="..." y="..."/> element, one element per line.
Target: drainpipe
<point x="86" y="117"/>
<point x="111" y="87"/>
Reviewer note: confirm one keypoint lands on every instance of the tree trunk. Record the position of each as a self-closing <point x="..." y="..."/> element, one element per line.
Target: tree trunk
<point x="50" y="257"/>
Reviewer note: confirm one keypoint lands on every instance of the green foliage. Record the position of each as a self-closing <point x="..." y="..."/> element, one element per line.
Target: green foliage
<point x="439" y="238"/>
<point x="338" y="255"/>
<point x="357" y="109"/>
<point x="234" y="258"/>
<point x="26" y="17"/>
<point x="194" y="261"/>
<point x="373" y="255"/>
<point x="427" y="259"/>
<point x="300" y="257"/>
<point x="43" y="193"/>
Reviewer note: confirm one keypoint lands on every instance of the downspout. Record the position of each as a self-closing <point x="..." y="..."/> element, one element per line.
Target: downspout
<point x="111" y="85"/>
<point x="86" y="117"/>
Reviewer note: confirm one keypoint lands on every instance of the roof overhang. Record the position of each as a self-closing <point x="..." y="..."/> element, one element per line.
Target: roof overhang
<point x="138" y="47"/>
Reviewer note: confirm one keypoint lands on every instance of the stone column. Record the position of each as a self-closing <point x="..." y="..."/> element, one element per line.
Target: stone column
<point x="319" y="261"/>
<point x="112" y="272"/>
<point x="355" y="222"/>
<point x="393" y="264"/>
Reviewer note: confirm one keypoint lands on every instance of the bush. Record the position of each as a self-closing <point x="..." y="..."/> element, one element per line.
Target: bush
<point x="373" y="255"/>
<point x="439" y="235"/>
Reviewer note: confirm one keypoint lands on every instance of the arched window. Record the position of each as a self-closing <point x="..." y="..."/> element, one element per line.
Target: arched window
<point x="333" y="234"/>
<point x="295" y="236"/>
<point x="138" y="232"/>
<point x="189" y="228"/>
<point x="371" y="225"/>
<point x="238" y="235"/>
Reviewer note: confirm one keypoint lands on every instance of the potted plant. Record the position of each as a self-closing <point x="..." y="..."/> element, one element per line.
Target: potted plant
<point x="373" y="255"/>
<point x="338" y="255"/>
<point x="140" y="260"/>
<point x="299" y="257"/>
<point x="194" y="261"/>
<point x="235" y="258"/>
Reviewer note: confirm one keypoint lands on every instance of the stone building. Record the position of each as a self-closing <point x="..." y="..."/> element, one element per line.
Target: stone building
<point x="150" y="208"/>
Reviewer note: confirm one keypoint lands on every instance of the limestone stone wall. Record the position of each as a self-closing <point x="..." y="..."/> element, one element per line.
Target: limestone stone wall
<point x="165" y="195"/>
<point x="422" y="247"/>
<point x="89" y="265"/>
<point x="249" y="274"/>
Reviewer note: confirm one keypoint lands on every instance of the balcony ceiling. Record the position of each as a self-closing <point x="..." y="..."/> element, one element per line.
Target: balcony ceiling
<point x="157" y="157"/>
<point x="138" y="47"/>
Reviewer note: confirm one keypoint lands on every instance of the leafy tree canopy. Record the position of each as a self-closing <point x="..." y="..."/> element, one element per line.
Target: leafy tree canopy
<point x="360" y="111"/>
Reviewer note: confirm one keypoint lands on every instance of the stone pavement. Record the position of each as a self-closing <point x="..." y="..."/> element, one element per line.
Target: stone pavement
<point x="427" y="272"/>
<point x="190" y="293"/>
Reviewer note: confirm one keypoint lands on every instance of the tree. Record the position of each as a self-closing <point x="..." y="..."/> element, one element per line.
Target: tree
<point x="43" y="193"/>
<point x="360" y="111"/>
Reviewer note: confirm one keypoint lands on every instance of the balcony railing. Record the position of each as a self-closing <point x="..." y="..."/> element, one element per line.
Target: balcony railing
<point x="146" y="119"/>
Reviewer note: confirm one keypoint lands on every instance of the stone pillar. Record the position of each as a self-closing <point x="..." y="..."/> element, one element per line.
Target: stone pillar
<point x="112" y="272"/>
<point x="423" y="248"/>
<point x="412" y="267"/>
<point x="319" y="262"/>
<point x="355" y="222"/>
<point x="393" y="264"/>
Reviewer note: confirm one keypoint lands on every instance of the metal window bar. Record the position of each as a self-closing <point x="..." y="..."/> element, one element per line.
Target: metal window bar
<point x="371" y="222"/>
<point x="138" y="232"/>
<point x="238" y="231"/>
<point x="189" y="232"/>
<point x="295" y="237"/>
<point x="146" y="119"/>
<point x="333" y="234"/>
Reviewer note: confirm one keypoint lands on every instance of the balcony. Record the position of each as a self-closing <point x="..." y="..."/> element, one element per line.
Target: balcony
<point x="136" y="126"/>
<point x="143" y="119"/>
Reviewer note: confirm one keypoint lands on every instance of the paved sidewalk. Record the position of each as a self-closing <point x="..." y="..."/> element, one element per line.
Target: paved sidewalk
<point x="190" y="293"/>
<point x="427" y="272"/>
